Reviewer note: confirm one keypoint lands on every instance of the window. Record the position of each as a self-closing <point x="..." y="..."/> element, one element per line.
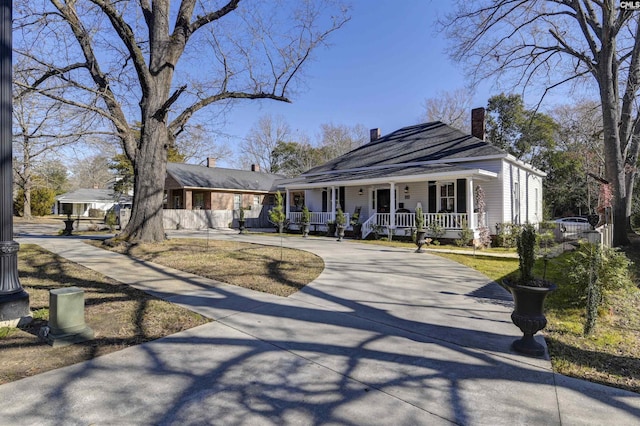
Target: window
<point x="516" y="202"/>
<point x="236" y="201"/>
<point x="256" y="202"/>
<point x="448" y="197"/>
<point x="198" y="200"/>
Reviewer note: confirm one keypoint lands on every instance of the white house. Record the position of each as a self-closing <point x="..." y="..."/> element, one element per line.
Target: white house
<point x="431" y="165"/>
<point x="80" y="201"/>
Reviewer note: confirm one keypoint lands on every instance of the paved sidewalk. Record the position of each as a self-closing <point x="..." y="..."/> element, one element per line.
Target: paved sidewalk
<point x="383" y="336"/>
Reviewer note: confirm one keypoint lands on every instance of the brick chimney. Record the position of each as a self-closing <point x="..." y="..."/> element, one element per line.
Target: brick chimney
<point x="477" y="123"/>
<point x="211" y="162"/>
<point x="255" y="167"/>
<point x="374" y="134"/>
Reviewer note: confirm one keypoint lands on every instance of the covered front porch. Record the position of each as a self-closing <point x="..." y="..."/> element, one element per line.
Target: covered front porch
<point x="398" y="223"/>
<point x="383" y="207"/>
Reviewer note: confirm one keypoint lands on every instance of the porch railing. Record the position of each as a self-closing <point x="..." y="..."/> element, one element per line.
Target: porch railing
<point x="448" y="221"/>
<point x="408" y="220"/>
<point x="317" y="218"/>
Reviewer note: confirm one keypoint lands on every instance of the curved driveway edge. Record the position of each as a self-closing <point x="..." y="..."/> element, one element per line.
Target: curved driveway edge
<point x="383" y="336"/>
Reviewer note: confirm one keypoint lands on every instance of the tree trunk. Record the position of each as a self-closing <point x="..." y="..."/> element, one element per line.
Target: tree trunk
<point x="26" y="189"/>
<point x="145" y="224"/>
<point x="630" y="182"/>
<point x="613" y="157"/>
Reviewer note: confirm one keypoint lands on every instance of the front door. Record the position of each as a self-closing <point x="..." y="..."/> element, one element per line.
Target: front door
<point x="383" y="198"/>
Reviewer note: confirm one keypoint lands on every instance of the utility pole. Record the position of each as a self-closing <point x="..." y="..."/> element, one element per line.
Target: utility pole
<point x="14" y="301"/>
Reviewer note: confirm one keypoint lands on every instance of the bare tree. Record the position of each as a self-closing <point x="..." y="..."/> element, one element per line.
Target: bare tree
<point x="552" y="43"/>
<point x="338" y="139"/>
<point x="92" y="172"/>
<point x="263" y="138"/>
<point x="452" y="108"/>
<point x="580" y="137"/>
<point x="198" y="142"/>
<point x="150" y="63"/>
<point x="42" y="127"/>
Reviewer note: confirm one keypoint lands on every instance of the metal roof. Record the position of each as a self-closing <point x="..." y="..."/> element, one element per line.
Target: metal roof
<point x="384" y="174"/>
<point x="428" y="142"/>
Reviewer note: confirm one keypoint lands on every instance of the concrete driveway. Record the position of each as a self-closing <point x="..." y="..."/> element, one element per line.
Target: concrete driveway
<point x="383" y="336"/>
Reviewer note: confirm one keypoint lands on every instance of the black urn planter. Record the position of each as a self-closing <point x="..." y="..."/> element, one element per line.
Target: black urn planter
<point x="331" y="230"/>
<point x="305" y="229"/>
<point x="241" y="226"/>
<point x="528" y="315"/>
<point x="593" y="220"/>
<point x="340" y="232"/>
<point x="68" y="227"/>
<point x="420" y="241"/>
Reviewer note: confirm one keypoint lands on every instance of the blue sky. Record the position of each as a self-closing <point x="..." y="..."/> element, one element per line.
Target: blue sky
<point x="377" y="72"/>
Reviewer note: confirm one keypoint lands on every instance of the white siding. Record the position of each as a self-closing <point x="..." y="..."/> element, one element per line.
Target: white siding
<point x="313" y="199"/>
<point x="534" y="197"/>
<point x="529" y="191"/>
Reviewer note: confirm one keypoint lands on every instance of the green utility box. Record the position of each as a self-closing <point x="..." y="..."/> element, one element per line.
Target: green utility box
<point x="66" y="317"/>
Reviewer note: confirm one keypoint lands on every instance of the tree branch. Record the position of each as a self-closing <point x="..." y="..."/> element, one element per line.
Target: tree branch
<point x="161" y="113"/>
<point x="127" y="36"/>
<point x="181" y="119"/>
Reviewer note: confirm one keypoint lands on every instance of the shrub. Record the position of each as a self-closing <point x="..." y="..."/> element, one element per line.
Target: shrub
<point x="466" y="235"/>
<point x="506" y="234"/>
<point x="42" y="200"/>
<point x="435" y="230"/>
<point x="341" y="219"/>
<point x="306" y="215"/>
<point x="96" y="213"/>
<point x="526" y="242"/>
<point x="594" y="273"/>
<point x="419" y="219"/>
<point x="277" y="215"/>
<point x="111" y="220"/>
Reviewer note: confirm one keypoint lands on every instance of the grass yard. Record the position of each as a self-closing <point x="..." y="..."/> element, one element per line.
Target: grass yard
<point x="270" y="269"/>
<point x="120" y="316"/>
<point x="611" y="355"/>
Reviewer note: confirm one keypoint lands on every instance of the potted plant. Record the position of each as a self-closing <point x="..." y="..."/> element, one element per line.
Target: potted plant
<point x="356" y="225"/>
<point x="420" y="232"/>
<point x="241" y="220"/>
<point x="341" y="223"/>
<point x="306" y="221"/>
<point x="528" y="295"/>
<point x="277" y="216"/>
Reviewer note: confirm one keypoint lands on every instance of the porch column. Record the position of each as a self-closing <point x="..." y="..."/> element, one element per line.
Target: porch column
<point x="287" y="203"/>
<point x="470" y="207"/>
<point x="333" y="203"/>
<point x="392" y="206"/>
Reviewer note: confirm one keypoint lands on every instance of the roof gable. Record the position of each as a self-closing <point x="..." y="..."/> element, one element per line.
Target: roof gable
<point x="434" y="141"/>
<point x="194" y="176"/>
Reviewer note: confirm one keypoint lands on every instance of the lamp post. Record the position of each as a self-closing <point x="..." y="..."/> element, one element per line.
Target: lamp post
<point x="14" y="301"/>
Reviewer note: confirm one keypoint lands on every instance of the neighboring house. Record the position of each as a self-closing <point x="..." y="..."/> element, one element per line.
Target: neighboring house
<point x="81" y="201"/>
<point x="209" y="196"/>
<point x="431" y="165"/>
